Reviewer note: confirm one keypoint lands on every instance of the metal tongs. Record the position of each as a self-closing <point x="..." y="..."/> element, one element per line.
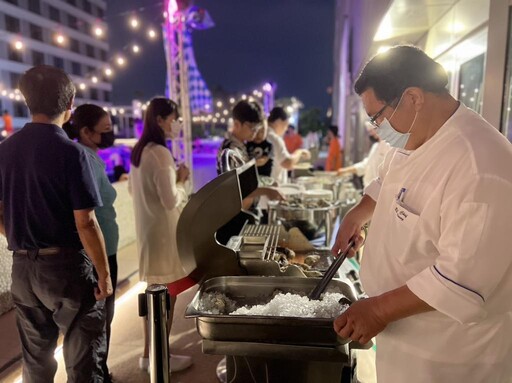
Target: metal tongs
<point x="329" y="274"/>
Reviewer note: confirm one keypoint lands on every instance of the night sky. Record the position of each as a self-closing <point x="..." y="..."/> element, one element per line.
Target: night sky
<point x="289" y="42"/>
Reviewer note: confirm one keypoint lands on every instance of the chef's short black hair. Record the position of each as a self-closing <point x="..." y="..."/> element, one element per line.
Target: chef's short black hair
<point x="278" y="113"/>
<point x="403" y="66"/>
<point x="248" y="111"/>
<point x="47" y="90"/>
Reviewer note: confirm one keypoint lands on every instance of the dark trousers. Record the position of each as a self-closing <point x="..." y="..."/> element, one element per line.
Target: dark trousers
<point x="109" y="310"/>
<point x="55" y="293"/>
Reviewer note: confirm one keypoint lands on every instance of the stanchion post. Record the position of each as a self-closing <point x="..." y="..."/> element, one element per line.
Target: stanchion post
<point x="155" y="304"/>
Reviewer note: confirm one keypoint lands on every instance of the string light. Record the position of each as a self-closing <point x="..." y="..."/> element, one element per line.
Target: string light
<point x="134" y="23"/>
<point x="18" y="45"/>
<point x="94" y="79"/>
<point x="151" y="33"/>
<point x="60" y="39"/>
<point x="244" y="97"/>
<point x="120" y="61"/>
<point x="231" y="100"/>
<point x="108" y="72"/>
<point x="219" y="104"/>
<point x="82" y="86"/>
<point x="98" y="31"/>
<point x="135" y="49"/>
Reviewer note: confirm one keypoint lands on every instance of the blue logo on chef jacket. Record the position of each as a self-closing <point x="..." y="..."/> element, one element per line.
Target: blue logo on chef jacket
<point x="401" y="214"/>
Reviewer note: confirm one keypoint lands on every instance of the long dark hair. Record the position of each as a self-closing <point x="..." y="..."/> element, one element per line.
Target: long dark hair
<point x="152" y="132"/>
<point x="85" y="116"/>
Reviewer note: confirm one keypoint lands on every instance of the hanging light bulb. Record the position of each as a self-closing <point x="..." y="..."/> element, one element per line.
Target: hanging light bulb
<point x="231" y="100"/>
<point x="98" y="31"/>
<point x="82" y="86"/>
<point x="219" y="104"/>
<point x="60" y="39"/>
<point x="120" y="61"/>
<point x="151" y="33"/>
<point x="108" y="72"/>
<point x="94" y="79"/>
<point x="18" y="45"/>
<point x="135" y="48"/>
<point x="134" y="23"/>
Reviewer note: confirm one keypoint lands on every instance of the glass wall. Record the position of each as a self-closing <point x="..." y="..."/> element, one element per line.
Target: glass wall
<point x="506" y="116"/>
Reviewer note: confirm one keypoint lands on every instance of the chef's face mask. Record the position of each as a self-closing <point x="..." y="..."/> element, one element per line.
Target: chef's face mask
<point x="389" y="134"/>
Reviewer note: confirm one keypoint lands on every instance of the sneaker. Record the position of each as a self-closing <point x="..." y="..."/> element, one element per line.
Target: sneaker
<point x="179" y="362"/>
<point x="176" y="363"/>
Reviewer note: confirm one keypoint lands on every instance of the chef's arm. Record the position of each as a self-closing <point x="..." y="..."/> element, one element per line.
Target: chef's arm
<point x="400" y="303"/>
<point x="352" y="223"/>
<point x="2" y="224"/>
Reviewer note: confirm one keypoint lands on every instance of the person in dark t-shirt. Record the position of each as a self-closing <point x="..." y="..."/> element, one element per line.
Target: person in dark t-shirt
<point x="260" y="149"/>
<point x="47" y="198"/>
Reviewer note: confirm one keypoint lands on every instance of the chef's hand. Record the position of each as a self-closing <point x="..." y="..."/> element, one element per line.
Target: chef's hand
<point x="350" y="228"/>
<point x="183" y="173"/>
<point x="361" y="321"/>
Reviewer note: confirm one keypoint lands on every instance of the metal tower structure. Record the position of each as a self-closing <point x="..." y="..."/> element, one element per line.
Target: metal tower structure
<point x="177" y="79"/>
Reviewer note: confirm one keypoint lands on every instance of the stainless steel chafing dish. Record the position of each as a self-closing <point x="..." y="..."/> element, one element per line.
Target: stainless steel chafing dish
<point x="241" y="328"/>
<point x="256" y="346"/>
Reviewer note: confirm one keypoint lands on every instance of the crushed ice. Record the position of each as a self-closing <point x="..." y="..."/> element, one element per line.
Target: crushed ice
<point x="281" y="304"/>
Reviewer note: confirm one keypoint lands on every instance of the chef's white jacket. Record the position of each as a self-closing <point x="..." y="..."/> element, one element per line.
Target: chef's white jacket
<point x="157" y="203"/>
<point x="448" y="237"/>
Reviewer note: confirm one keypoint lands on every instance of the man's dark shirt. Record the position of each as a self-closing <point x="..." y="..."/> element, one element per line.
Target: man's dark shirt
<point x="262" y="149"/>
<point x="44" y="176"/>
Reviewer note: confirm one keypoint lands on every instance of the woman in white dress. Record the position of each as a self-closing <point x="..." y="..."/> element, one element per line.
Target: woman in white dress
<point x="157" y="187"/>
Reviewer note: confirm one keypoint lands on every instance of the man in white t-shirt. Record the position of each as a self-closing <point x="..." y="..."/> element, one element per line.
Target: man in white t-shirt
<point x="282" y="159"/>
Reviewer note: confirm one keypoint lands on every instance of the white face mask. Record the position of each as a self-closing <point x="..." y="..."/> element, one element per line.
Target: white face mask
<point x="176" y="128"/>
<point x="389" y="134"/>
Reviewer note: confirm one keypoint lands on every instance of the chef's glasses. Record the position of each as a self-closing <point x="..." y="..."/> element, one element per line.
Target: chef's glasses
<point x="373" y="119"/>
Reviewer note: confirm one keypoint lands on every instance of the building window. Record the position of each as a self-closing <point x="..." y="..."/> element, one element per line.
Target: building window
<point x="37" y="58"/>
<point x="75" y="45"/>
<point x="106" y="96"/>
<point x="72" y="22"/>
<point x="34" y="6"/>
<point x="89" y="49"/>
<point x="72" y="2"/>
<point x="36" y="32"/>
<point x="12" y="24"/>
<point x="87" y="6"/>
<point x="15" y="80"/>
<point x="58" y="62"/>
<point x="93" y="94"/>
<point x="100" y="13"/>
<point x="76" y="68"/>
<point x="20" y="109"/>
<point x="103" y="55"/>
<point x="15" y="2"/>
<point x="54" y="14"/>
<point x="79" y="93"/>
<point x="15" y="55"/>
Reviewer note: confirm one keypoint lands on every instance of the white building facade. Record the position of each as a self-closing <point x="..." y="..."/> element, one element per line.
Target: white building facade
<point x="69" y="34"/>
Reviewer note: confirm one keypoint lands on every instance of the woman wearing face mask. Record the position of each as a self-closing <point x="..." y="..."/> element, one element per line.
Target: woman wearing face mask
<point x="92" y="127"/>
<point x="158" y="195"/>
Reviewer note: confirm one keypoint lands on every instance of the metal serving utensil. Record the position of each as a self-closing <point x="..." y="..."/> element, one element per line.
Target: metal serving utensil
<point x="329" y="274"/>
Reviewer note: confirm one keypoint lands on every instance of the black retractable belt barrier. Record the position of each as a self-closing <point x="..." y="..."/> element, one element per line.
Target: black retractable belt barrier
<point x="155" y="304"/>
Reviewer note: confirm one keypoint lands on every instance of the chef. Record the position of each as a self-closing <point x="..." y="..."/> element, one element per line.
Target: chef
<point x="437" y="265"/>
